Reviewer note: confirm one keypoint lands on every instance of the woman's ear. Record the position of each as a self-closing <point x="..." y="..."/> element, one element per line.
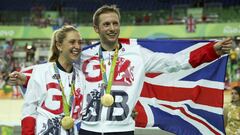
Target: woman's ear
<point x="59" y="46"/>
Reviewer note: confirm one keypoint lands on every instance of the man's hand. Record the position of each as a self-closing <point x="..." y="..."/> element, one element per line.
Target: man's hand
<point x="134" y="114"/>
<point x="17" y="78"/>
<point x="223" y="47"/>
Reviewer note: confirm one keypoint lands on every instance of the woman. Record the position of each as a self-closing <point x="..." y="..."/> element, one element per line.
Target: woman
<point x="53" y="99"/>
<point x="232" y="111"/>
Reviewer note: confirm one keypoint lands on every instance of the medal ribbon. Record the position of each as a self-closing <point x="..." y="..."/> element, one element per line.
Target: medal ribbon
<point x="103" y="69"/>
<point x="66" y="106"/>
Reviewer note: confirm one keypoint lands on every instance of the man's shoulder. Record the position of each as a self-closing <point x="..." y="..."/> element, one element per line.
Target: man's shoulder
<point x="131" y="47"/>
<point x="91" y="49"/>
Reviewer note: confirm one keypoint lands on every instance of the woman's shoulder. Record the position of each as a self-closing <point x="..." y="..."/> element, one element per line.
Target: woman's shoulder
<point x="43" y="67"/>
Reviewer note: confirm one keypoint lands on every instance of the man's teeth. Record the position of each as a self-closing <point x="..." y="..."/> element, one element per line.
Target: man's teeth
<point x="113" y="34"/>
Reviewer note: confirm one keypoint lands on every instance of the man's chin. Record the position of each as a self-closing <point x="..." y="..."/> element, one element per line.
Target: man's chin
<point x="112" y="41"/>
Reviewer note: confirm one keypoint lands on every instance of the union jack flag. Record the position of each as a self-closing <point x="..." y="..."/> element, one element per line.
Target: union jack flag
<point x="189" y="102"/>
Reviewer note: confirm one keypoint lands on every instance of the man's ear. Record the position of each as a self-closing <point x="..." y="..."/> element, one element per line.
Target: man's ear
<point x="96" y="29"/>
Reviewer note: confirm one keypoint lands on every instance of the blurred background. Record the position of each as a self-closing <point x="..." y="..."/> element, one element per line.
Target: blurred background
<point x="26" y="27"/>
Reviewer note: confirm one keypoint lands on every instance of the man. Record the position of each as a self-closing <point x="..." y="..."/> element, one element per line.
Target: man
<point x="115" y="74"/>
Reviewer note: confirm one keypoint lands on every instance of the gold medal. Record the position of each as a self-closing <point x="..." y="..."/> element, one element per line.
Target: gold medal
<point x="107" y="100"/>
<point x="67" y="122"/>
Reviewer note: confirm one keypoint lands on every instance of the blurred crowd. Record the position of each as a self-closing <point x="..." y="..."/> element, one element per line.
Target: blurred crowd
<point x="40" y="18"/>
<point x="151" y="13"/>
<point x="10" y="62"/>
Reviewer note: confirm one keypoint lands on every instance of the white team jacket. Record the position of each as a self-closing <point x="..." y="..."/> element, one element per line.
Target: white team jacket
<point x="133" y="62"/>
<point x="43" y="100"/>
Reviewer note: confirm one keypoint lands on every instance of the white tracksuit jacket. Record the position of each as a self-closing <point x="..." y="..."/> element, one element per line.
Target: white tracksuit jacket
<point x="43" y="108"/>
<point x="133" y="62"/>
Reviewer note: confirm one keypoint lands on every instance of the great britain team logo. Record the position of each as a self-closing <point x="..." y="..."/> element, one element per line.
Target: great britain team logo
<point x="123" y="73"/>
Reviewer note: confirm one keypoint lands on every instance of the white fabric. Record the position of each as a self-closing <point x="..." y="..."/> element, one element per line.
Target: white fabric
<point x="43" y="102"/>
<point x="133" y="62"/>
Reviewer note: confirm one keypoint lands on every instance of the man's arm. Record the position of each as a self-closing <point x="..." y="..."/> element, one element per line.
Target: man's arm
<point x="165" y="62"/>
<point x="210" y="52"/>
<point x="17" y="78"/>
<point x="21" y="78"/>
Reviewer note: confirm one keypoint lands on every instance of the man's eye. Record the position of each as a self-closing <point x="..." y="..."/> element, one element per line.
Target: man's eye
<point x="80" y="42"/>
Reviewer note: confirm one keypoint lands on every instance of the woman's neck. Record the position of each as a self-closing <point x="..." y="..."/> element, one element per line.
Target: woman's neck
<point x="66" y="65"/>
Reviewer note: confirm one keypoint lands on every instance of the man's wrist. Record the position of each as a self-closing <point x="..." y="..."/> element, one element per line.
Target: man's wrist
<point x="24" y="80"/>
<point x="218" y="49"/>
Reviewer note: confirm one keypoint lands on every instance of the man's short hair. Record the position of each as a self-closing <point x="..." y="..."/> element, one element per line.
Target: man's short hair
<point x="105" y="9"/>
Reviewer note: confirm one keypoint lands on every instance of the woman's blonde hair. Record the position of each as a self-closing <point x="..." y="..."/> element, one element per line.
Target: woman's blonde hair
<point x="58" y="36"/>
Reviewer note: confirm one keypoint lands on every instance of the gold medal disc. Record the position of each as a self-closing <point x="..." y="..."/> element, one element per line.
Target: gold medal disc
<point x="107" y="100"/>
<point x="67" y="122"/>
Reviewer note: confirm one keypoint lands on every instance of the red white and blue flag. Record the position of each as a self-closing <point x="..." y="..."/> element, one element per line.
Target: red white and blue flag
<point x="189" y="102"/>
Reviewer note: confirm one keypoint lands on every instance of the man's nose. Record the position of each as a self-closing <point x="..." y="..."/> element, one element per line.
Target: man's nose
<point x="112" y="27"/>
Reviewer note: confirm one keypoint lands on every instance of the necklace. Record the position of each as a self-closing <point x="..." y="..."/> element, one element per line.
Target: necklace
<point x="109" y="60"/>
<point x="107" y="99"/>
<point x="67" y="122"/>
